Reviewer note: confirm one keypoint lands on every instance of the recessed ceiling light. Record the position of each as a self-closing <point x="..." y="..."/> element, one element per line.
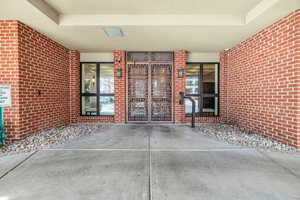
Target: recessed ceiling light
<point x="113" y="32"/>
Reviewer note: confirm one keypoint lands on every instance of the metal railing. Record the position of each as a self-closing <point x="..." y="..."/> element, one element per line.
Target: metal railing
<point x="181" y="102"/>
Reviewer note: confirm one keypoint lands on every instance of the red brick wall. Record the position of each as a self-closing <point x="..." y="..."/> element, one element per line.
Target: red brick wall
<point x="9" y="71"/>
<point x="296" y="79"/>
<point x="120" y="87"/>
<point x="31" y="62"/>
<point x="263" y="79"/>
<point x="223" y="88"/>
<point x="120" y="95"/>
<point x="180" y="59"/>
<point x="259" y="82"/>
<point x="44" y="67"/>
<point x="74" y="63"/>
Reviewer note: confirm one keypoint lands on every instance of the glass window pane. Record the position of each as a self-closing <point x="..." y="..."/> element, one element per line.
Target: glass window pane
<point x="188" y="105"/>
<point x="208" y="104"/>
<point x="106" y="79"/>
<point x="140" y="88"/>
<point x="192" y="78"/>
<point x="209" y="75"/>
<point x="89" y="105"/>
<point x="88" y="75"/>
<point x="107" y="105"/>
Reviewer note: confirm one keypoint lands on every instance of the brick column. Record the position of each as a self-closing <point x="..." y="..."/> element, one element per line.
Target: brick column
<point x="180" y="58"/>
<point x="74" y="62"/>
<point x="296" y="78"/>
<point x="223" y="83"/>
<point x="120" y="86"/>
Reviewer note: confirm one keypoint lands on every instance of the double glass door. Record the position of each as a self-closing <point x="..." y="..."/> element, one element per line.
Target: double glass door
<point x="149" y="92"/>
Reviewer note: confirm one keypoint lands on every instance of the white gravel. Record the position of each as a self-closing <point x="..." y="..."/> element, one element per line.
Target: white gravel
<point x="51" y="137"/>
<point x="227" y="133"/>
<point x="240" y="136"/>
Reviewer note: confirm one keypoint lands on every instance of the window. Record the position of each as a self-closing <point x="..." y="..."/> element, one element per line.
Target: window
<point x="97" y="89"/>
<point x="202" y="84"/>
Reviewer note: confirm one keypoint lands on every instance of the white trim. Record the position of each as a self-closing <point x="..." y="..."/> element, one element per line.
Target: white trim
<point x="97" y="57"/>
<point x="203" y="57"/>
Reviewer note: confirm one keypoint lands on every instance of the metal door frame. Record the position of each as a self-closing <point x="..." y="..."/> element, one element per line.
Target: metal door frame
<point x="149" y="88"/>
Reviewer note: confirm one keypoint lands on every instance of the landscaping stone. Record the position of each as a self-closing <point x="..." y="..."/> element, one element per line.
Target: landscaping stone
<point x="240" y="136"/>
<point x="51" y="137"/>
<point x="221" y="132"/>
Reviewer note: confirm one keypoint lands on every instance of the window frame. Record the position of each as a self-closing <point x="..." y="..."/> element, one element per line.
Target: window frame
<point x="201" y="95"/>
<point x="97" y="94"/>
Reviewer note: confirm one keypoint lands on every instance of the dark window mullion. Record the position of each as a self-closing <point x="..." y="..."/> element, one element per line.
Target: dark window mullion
<point x="98" y="88"/>
<point x="111" y="95"/>
<point x="97" y="93"/>
<point x="200" y="103"/>
<point x="88" y="94"/>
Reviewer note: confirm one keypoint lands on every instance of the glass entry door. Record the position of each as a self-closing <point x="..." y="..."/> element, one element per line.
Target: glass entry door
<point x="149" y="89"/>
<point x="161" y="92"/>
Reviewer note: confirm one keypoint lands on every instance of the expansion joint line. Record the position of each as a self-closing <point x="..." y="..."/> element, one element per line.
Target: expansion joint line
<point x="149" y="167"/>
<point x="17" y="165"/>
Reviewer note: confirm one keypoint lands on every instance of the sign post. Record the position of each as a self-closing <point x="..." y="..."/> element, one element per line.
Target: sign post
<point x="2" y="134"/>
<point x="5" y="101"/>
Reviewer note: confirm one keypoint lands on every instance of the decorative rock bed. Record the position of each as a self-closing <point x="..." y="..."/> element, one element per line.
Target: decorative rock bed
<point x="51" y="137"/>
<point x="227" y="133"/>
<point x="240" y="136"/>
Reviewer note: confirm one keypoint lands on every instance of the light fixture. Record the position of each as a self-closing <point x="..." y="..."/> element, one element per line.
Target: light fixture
<point x="119" y="60"/>
<point x="180" y="73"/>
<point x="113" y="32"/>
<point x="119" y="73"/>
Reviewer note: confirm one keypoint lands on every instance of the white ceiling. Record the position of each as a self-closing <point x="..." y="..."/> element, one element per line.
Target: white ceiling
<point x="152" y="6"/>
<point x="148" y="25"/>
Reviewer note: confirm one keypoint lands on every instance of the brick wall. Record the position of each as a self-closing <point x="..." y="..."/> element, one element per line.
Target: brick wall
<point x="259" y="82"/>
<point x="74" y="74"/>
<point x="44" y="82"/>
<point x="120" y="87"/>
<point x="74" y="63"/>
<point x="119" y="84"/>
<point x="9" y="71"/>
<point x="37" y="68"/>
<point x="180" y="59"/>
<point x="263" y="79"/>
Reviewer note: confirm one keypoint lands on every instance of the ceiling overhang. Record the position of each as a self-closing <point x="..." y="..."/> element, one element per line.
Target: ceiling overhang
<point x="152" y="19"/>
<point x="156" y="25"/>
<point x="45" y="9"/>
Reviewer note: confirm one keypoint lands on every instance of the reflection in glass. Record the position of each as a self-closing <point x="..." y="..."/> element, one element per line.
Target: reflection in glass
<point x="188" y="105"/>
<point x="106" y="79"/>
<point x="138" y="109"/>
<point x="89" y="105"/>
<point x="192" y="78"/>
<point x="88" y="78"/>
<point x="208" y="104"/>
<point x="206" y="77"/>
<point x="139" y="86"/>
<point x="107" y="105"/>
<point x="160" y="87"/>
<point x="209" y="78"/>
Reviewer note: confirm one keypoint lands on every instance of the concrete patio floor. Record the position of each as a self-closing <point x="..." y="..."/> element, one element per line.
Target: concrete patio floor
<point x="159" y="162"/>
